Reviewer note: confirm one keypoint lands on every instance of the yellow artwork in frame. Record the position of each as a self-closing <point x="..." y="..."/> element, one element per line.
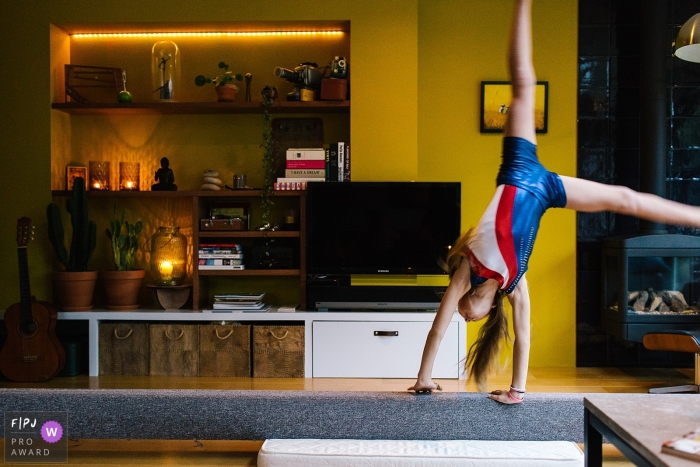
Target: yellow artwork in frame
<point x="495" y="99"/>
<point x="73" y="172"/>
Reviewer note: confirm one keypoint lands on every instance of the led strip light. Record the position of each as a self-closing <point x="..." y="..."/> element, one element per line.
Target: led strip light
<point x="205" y="34"/>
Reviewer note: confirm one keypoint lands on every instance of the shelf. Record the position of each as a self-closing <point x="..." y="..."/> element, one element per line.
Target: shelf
<point x="179" y="194"/>
<point x="249" y="234"/>
<point x="249" y="272"/>
<point x="189" y="108"/>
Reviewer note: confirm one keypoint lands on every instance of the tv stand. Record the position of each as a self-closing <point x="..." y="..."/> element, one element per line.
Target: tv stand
<point x="336" y="345"/>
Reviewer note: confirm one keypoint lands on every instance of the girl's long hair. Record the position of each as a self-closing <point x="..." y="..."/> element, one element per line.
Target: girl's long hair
<point x="484" y="352"/>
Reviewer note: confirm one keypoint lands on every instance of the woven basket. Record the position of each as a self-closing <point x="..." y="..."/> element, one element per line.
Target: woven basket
<point x="124" y="349"/>
<point x="174" y="349"/>
<point x="224" y="350"/>
<point x="278" y="351"/>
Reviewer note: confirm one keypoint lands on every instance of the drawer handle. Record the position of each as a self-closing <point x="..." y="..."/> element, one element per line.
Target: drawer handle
<point x="386" y="333"/>
<point x="120" y="337"/>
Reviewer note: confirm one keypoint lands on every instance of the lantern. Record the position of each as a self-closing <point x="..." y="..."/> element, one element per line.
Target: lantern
<point x="168" y="256"/>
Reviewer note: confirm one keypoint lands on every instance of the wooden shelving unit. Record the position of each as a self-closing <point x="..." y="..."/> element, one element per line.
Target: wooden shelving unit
<point x="200" y="202"/>
<point x="201" y="108"/>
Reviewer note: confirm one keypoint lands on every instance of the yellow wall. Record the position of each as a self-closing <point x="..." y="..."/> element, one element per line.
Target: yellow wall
<point x="460" y="45"/>
<point x="415" y="71"/>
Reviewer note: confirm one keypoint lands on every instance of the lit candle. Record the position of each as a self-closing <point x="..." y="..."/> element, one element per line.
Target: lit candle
<point x="166" y="270"/>
<point x="130" y="184"/>
<point x="97" y="186"/>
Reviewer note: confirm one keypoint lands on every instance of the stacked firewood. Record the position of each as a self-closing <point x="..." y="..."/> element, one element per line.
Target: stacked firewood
<point x="664" y="301"/>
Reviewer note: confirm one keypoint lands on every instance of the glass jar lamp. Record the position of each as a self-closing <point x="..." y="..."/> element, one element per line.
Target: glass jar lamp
<point x="168" y="256"/>
<point x="165" y="71"/>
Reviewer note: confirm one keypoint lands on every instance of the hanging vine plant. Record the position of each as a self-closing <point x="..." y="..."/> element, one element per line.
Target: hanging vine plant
<point x="269" y="94"/>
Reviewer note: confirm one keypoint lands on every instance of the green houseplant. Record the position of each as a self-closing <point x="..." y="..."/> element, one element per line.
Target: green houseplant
<point x="124" y="283"/>
<point x="269" y="157"/>
<point x="76" y="285"/>
<point x="223" y="84"/>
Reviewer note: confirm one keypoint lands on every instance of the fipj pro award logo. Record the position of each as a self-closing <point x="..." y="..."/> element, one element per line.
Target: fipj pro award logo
<point x="35" y="437"/>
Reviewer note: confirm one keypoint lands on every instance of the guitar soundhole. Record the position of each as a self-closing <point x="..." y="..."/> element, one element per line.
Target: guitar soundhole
<point x="26" y="328"/>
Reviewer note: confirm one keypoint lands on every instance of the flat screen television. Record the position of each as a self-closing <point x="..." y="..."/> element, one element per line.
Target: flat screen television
<point x="381" y="227"/>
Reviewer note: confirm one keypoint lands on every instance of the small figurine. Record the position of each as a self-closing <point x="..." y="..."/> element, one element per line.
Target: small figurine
<point x="164" y="177"/>
<point x="248" y="79"/>
<point x="269" y="94"/>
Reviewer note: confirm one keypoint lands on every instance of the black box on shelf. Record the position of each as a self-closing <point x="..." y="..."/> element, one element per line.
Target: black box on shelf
<point x="271" y="257"/>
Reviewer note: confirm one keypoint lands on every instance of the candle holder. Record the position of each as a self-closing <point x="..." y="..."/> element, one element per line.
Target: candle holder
<point x="99" y="175"/>
<point x="168" y="256"/>
<point x="129" y="176"/>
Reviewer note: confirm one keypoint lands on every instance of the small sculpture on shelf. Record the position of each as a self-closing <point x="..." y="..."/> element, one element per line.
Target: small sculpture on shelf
<point x="212" y="182"/>
<point x="248" y="80"/>
<point x="164" y="177"/>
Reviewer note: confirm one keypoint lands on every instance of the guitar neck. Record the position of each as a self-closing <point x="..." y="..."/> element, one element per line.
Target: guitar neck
<point x="25" y="295"/>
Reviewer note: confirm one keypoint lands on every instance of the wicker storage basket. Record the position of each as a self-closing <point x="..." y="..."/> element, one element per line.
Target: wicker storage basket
<point x="224" y="350"/>
<point x="278" y="351"/>
<point x="174" y="349"/>
<point x="124" y="349"/>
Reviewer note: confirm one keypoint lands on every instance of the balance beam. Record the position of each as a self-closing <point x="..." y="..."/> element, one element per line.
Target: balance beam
<point x="260" y="415"/>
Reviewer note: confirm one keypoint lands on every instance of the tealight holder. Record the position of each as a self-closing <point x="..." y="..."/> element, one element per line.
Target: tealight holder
<point x="129" y="176"/>
<point x="99" y="175"/>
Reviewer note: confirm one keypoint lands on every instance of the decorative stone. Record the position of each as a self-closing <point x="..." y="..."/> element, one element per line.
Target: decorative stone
<point x="211" y="173"/>
<point x="213" y="181"/>
<point x="210" y="187"/>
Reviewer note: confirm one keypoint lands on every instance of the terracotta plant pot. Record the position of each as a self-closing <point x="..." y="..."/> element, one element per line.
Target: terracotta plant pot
<point x="74" y="290"/>
<point x="123" y="288"/>
<point x="227" y="92"/>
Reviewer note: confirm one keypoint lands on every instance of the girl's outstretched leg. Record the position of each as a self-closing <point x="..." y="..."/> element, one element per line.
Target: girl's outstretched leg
<point x="588" y="196"/>
<point x="521" y="113"/>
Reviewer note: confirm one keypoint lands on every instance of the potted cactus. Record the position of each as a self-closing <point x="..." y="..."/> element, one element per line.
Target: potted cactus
<point x="124" y="283"/>
<point x="76" y="285"/>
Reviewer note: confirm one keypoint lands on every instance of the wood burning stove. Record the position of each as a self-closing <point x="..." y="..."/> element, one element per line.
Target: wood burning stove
<point x="651" y="283"/>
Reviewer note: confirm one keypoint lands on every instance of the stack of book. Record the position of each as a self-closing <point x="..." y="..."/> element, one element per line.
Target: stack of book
<point x="220" y="256"/>
<point x="251" y="302"/>
<point x="305" y="165"/>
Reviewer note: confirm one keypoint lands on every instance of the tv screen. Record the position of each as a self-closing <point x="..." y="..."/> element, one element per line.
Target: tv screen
<point x="381" y="227"/>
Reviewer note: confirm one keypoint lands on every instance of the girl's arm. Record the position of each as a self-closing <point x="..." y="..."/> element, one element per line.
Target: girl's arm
<point x="459" y="285"/>
<point x="520" y="302"/>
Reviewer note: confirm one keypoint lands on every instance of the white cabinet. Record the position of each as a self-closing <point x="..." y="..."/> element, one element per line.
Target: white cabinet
<point x="380" y="349"/>
<point x="337" y="344"/>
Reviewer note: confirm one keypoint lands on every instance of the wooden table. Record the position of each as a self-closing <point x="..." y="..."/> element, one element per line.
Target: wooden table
<point x="638" y="424"/>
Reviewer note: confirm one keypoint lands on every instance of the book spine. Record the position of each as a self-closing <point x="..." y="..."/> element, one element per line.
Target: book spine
<point x="346" y="172"/>
<point x="219" y="246"/>
<point x="341" y="160"/>
<point x="220" y="262"/>
<point x="215" y="251"/>
<point x="306" y="164"/>
<point x="317" y="154"/>
<point x="206" y="267"/>
<point x="328" y="164"/>
<point x="333" y="162"/>
<point x="306" y="173"/>
<point x="289" y="186"/>
<point x="220" y="255"/>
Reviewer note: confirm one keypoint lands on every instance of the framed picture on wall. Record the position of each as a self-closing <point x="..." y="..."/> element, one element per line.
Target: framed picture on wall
<point x="495" y="99"/>
<point x="73" y="172"/>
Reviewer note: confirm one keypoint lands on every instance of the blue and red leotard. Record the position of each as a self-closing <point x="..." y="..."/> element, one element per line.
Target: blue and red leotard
<point x="502" y="241"/>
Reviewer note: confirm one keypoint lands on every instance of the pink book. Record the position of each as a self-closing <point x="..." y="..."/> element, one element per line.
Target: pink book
<point x="305" y="164"/>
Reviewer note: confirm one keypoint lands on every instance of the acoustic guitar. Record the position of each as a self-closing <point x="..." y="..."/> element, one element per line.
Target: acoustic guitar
<point x="32" y="352"/>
